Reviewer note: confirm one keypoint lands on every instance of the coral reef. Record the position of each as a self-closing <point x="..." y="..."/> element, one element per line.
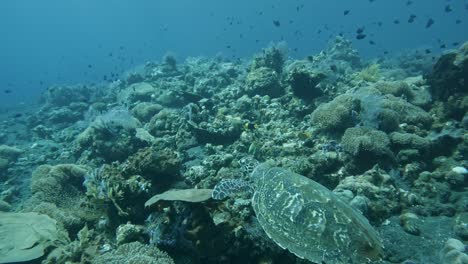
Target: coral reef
<point x="389" y="141"/>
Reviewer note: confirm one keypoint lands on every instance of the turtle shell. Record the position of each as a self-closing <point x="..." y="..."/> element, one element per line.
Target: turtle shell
<point x="310" y="221"/>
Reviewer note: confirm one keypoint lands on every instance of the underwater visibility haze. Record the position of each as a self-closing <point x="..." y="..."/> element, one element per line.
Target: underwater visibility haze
<point x="328" y="132"/>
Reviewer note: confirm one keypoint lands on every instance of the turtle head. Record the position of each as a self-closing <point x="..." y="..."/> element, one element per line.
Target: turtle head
<point x="248" y="165"/>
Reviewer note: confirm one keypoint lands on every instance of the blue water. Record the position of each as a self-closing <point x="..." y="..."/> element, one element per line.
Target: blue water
<point x="81" y="41"/>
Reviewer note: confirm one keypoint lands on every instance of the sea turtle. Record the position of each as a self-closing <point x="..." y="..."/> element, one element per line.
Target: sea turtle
<point x="304" y="217"/>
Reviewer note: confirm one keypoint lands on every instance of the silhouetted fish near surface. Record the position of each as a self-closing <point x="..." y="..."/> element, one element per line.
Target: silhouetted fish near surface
<point x="371" y="42"/>
<point x="7" y="91"/>
<point x="411" y="18"/>
<point x="276" y="23"/>
<point x="429" y="22"/>
<point x="346" y="12"/>
<point x="396" y="21"/>
<point x="360" y="30"/>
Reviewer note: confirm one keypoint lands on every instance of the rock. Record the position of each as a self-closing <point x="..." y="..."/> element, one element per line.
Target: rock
<point x="9" y="153"/>
<point x="3" y="165"/>
<point x="263" y="81"/>
<point x="304" y="83"/>
<point x="454" y="252"/>
<point x="448" y="76"/>
<point x="4" y="206"/>
<point x="145" y="111"/>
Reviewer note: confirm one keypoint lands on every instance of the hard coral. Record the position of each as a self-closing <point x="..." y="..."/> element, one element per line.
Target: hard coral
<point x="366" y="146"/>
<point x="135" y="252"/>
<point x="337" y="115"/>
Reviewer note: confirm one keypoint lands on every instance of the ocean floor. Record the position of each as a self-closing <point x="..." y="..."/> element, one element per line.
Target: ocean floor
<point x="386" y="135"/>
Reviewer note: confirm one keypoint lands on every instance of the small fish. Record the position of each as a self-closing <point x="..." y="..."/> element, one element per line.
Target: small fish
<point x="379" y="23"/>
<point x="411" y="18"/>
<point x="276" y="23"/>
<point x="455" y="43"/>
<point x="346" y="12"/>
<point x="429" y="22"/>
<point x="90" y="66"/>
<point x="443" y="46"/>
<point x="250" y="126"/>
<point x="371" y="42"/>
<point x="333" y="68"/>
<point x="17" y="115"/>
<point x="360" y="30"/>
<point x="408" y="3"/>
<point x="458" y="21"/>
<point x="448" y="9"/>
<point x="360" y="36"/>
<point x="396" y="21"/>
<point x="427" y="51"/>
<point x="7" y="91"/>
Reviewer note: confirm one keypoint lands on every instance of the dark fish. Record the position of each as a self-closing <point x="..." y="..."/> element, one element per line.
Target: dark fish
<point x="17" y="115"/>
<point x="276" y="23"/>
<point x="333" y="68"/>
<point x="90" y="66"/>
<point x="429" y="22"/>
<point x="411" y="18"/>
<point x="443" y="46"/>
<point x="385" y="52"/>
<point x="7" y="91"/>
<point x="448" y="9"/>
<point x="360" y="30"/>
<point x="458" y="21"/>
<point x="408" y="3"/>
<point x="455" y="43"/>
<point x="396" y="21"/>
<point x="427" y="51"/>
<point x="379" y="23"/>
<point x="371" y="42"/>
<point x="346" y="12"/>
<point x="360" y="36"/>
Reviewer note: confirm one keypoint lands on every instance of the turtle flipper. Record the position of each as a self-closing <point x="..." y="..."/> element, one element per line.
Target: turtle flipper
<point x="229" y="187"/>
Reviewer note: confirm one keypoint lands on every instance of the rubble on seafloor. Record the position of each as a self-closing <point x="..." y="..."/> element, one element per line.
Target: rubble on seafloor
<point x="389" y="138"/>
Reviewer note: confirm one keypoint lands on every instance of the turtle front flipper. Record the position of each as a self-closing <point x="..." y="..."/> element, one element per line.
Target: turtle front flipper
<point x="229" y="187"/>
